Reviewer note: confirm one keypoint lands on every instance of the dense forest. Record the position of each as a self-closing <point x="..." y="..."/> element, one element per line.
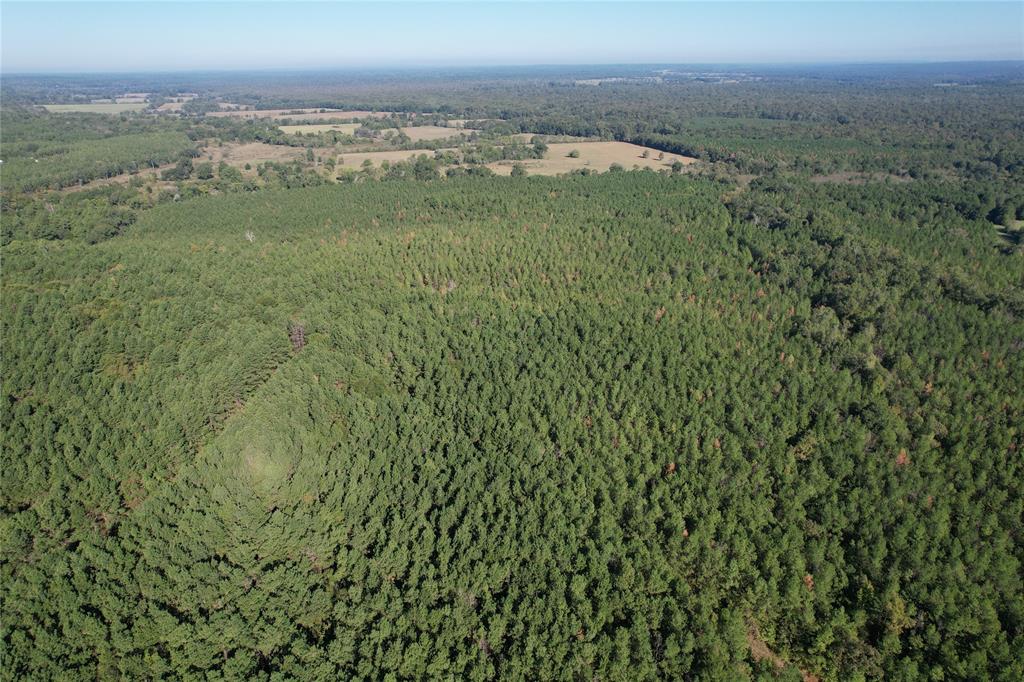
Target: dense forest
<point x="756" y="420"/>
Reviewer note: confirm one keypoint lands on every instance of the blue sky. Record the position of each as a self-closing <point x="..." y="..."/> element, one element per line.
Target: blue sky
<point x="143" y="36"/>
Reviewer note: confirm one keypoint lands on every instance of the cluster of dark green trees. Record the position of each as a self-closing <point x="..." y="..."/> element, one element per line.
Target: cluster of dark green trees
<point x="593" y="427"/>
<point x="456" y="426"/>
<point x="41" y="152"/>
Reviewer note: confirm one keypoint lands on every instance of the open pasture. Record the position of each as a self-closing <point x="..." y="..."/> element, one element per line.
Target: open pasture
<point x="598" y="156"/>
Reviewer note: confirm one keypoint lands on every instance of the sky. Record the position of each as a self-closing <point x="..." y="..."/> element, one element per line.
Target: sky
<point x="182" y="36"/>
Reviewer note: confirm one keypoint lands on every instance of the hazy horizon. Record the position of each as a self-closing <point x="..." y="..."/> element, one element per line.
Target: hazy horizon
<point x="566" y="67"/>
<point x="145" y="37"/>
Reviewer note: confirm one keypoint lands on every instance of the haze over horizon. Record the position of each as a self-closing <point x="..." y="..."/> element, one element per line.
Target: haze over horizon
<point x="185" y="36"/>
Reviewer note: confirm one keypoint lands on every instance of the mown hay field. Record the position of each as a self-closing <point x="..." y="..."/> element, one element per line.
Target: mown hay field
<point x="598" y="156"/>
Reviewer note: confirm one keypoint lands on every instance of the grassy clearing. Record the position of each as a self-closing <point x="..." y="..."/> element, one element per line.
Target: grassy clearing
<point x="96" y="108"/>
<point x="597" y="156"/>
<point x="253" y="153"/>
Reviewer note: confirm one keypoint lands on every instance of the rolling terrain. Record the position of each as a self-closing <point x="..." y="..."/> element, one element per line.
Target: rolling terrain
<point x="637" y="380"/>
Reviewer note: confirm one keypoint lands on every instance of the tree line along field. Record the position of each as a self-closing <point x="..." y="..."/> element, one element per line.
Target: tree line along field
<point x="347" y="128"/>
<point x="418" y="421"/>
<point x="299" y="114"/>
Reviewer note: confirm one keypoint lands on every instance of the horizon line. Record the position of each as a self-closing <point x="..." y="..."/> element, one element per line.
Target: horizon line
<point x="485" y="66"/>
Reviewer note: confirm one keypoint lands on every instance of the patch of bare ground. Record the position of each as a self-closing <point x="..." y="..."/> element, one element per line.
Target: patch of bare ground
<point x="760" y="651"/>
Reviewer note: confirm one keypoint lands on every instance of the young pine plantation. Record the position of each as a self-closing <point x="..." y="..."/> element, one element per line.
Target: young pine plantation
<point x="633" y="425"/>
